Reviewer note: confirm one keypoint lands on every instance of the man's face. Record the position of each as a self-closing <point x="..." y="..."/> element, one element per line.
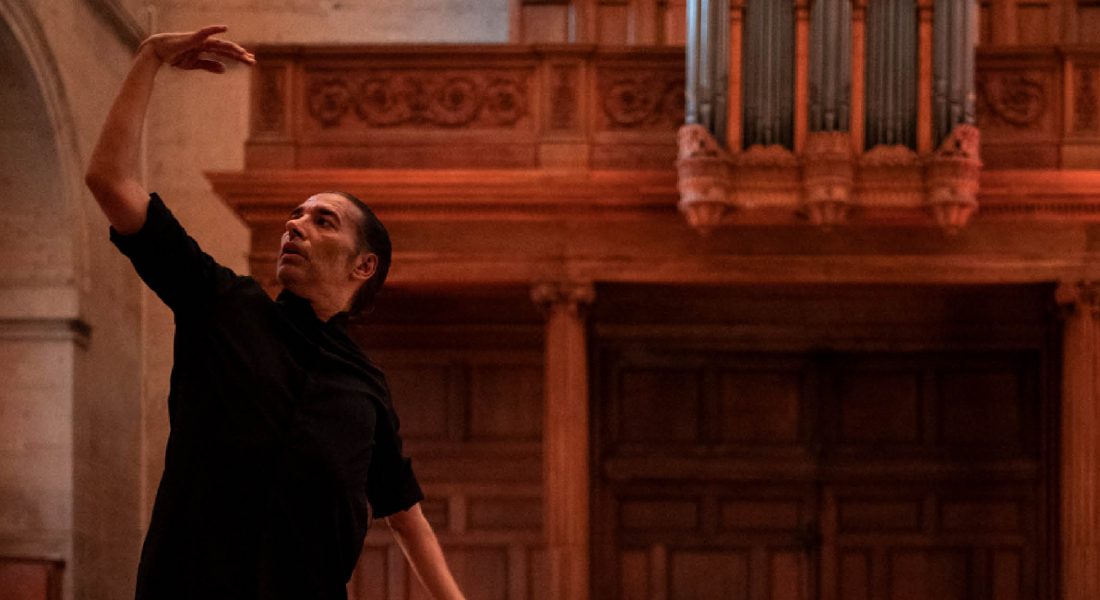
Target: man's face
<point x="319" y="251"/>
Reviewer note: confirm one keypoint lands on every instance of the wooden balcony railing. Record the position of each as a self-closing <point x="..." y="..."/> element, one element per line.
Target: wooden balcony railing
<point x="497" y="110"/>
<point x="466" y="107"/>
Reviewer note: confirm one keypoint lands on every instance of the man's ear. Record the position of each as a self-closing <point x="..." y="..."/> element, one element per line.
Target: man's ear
<point x="365" y="266"/>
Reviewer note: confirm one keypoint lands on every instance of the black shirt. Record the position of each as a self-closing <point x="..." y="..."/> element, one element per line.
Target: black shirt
<point x="282" y="434"/>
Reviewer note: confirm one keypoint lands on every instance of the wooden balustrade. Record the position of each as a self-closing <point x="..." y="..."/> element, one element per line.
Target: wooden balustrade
<point x="466" y="107"/>
<point x="579" y="106"/>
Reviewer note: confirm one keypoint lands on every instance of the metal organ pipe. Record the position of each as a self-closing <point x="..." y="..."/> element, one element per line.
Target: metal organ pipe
<point x="955" y="35"/>
<point x="890" y="95"/>
<point x="768" y="64"/>
<point x="830" y="64"/>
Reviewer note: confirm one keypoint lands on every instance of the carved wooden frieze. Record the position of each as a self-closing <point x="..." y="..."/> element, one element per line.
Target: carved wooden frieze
<point x="499" y="106"/>
<point x="641" y="99"/>
<point x="418" y="98"/>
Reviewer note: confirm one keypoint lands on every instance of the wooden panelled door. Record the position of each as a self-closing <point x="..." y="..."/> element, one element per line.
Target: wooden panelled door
<point x="901" y="470"/>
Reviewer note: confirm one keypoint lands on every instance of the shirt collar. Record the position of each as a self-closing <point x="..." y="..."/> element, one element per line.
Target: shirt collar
<point x="301" y="308"/>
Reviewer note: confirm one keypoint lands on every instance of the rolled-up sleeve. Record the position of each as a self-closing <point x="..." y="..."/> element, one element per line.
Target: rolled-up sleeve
<point x="170" y="262"/>
<point x="391" y="484"/>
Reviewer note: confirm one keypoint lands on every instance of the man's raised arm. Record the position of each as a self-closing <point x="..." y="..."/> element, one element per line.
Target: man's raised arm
<point x="113" y="175"/>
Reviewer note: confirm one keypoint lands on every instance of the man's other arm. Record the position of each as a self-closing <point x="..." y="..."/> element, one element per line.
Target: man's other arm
<point x="112" y="174"/>
<point x="421" y="548"/>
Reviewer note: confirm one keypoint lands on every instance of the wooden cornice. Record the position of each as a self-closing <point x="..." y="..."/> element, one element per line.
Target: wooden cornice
<point x="1065" y="196"/>
<point x="520" y="226"/>
<point x="263" y="195"/>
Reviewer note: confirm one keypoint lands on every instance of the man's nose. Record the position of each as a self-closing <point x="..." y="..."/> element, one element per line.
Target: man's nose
<point x="294" y="229"/>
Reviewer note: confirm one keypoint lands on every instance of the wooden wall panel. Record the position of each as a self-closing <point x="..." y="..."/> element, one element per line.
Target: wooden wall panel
<point x="695" y="575"/>
<point x="760" y="406"/>
<point x="660" y="405"/>
<point x="883" y="471"/>
<point x="506" y="402"/>
<point x="881" y="407"/>
<point x="546" y="23"/>
<point x="470" y="408"/>
<point x="919" y="575"/>
<point x="635" y="575"/>
<point x="482" y="574"/>
<point x="981" y="408"/>
<point x="613" y="26"/>
<point x="613" y="23"/>
<point x="932" y="540"/>
<point x="431" y="385"/>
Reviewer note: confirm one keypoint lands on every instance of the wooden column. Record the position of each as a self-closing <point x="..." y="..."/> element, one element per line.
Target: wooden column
<point x="565" y="437"/>
<point x="859" y="41"/>
<point x="801" y="73"/>
<point x="734" y="113"/>
<point x="1081" y="441"/>
<point x="924" y="73"/>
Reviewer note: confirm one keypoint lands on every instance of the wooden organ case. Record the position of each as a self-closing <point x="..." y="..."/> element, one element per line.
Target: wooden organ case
<point x="803" y="351"/>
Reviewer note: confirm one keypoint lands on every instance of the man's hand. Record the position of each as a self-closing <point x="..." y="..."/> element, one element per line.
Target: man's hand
<point x="196" y="50"/>
<point x="112" y="174"/>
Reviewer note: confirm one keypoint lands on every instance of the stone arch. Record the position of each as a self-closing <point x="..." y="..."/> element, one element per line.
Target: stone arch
<point x="41" y="189"/>
<point x="43" y="246"/>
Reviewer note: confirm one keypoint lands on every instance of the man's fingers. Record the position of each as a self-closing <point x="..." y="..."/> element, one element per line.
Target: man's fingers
<point x="230" y="50"/>
<point x="208" y="31"/>
<point x="207" y="64"/>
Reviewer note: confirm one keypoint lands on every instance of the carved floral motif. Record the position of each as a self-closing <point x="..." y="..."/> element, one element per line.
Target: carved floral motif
<point x="642" y="100"/>
<point x="329" y="100"/>
<point x="1018" y="99"/>
<point x="445" y="100"/>
<point x="1086" y="117"/>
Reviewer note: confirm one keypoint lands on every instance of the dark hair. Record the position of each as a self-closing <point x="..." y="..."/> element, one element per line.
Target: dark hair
<point x="372" y="237"/>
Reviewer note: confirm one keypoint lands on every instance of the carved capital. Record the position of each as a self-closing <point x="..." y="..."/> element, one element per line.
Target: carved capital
<point x="1074" y="296"/>
<point x="563" y="296"/>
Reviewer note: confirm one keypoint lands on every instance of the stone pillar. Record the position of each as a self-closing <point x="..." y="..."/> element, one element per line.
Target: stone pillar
<point x="1080" y="446"/>
<point x="565" y="437"/>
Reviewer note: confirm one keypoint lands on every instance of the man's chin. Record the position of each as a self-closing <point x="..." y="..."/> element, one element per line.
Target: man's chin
<point x="288" y="276"/>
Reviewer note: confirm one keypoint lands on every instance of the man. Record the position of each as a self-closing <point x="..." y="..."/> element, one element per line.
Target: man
<point x="283" y="440"/>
